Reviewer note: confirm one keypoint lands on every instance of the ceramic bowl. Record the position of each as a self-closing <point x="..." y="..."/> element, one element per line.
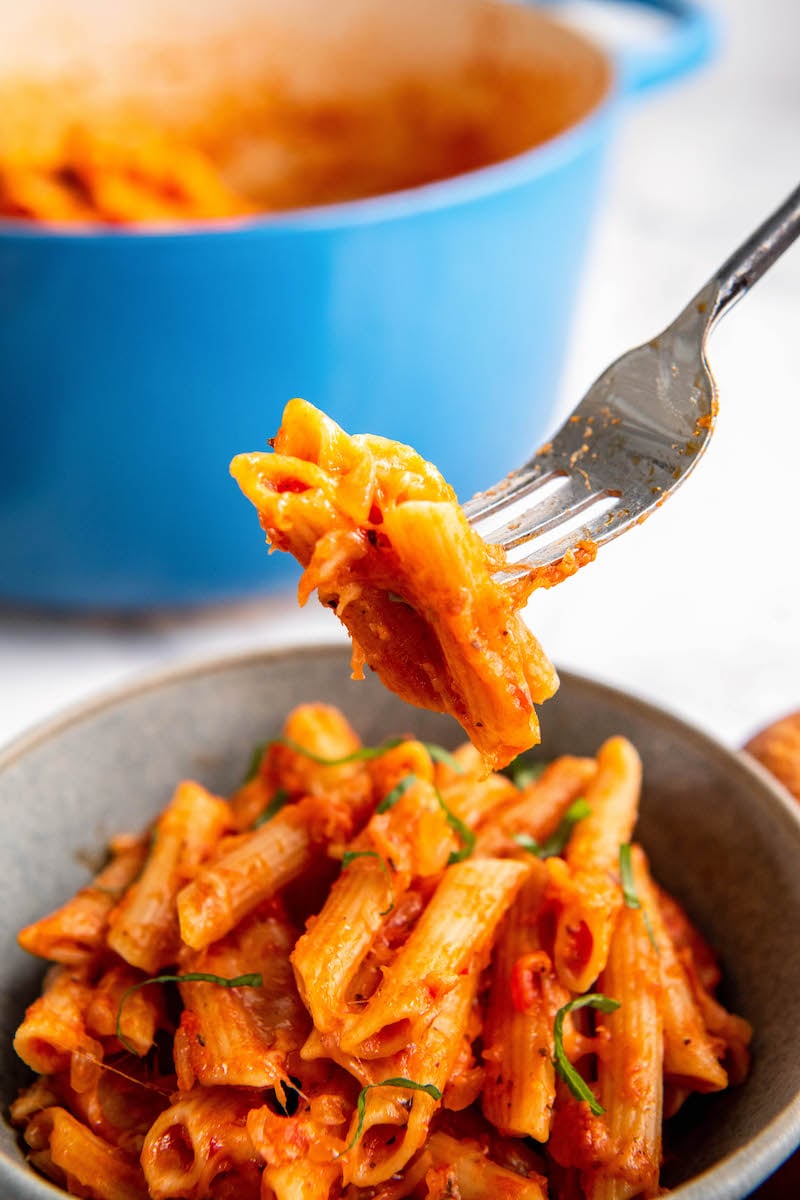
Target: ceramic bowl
<point x="721" y="835"/>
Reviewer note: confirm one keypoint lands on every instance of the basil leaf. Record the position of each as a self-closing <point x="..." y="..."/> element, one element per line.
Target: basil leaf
<point x="361" y="1104"/>
<point x="399" y="789"/>
<point x="629" y="893"/>
<point x="564" y="1068"/>
<point x="255" y="762"/>
<point x="365" y="754"/>
<point x="253" y="980"/>
<point x="279" y="800"/>
<point x="462" y="831"/>
<point x="440" y="755"/>
<point x="523" y="773"/>
<point x="557" y="841"/>
<point x="350" y="855"/>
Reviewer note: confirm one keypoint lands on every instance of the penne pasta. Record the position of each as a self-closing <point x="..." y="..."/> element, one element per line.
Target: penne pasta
<point x="76" y="932"/>
<point x="537" y="811"/>
<point x="691" y="1054"/>
<point x="525" y="995"/>
<point x="70" y="1154"/>
<point x="427" y="1028"/>
<point x="477" y="1176"/>
<point x="383" y="541"/>
<point x="630" y="1062"/>
<point x="143" y="927"/>
<point x="456" y="927"/>
<point x="589" y="898"/>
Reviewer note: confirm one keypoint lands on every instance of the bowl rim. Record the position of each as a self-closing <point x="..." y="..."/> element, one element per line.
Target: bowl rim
<point x="453" y="191"/>
<point x="734" y="1176"/>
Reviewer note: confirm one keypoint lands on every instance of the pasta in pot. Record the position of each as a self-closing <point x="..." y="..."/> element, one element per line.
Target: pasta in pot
<point x="462" y="985"/>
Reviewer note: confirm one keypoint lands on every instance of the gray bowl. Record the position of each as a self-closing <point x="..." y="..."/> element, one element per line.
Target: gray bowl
<point x="721" y="836"/>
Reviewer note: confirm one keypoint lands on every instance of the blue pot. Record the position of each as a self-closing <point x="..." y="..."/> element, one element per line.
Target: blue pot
<point x="134" y="365"/>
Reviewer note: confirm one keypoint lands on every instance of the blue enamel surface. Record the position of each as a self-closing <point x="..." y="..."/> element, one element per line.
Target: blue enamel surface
<point x="134" y="365"/>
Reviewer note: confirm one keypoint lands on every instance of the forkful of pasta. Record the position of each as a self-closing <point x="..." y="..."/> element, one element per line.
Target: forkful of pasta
<point x="638" y="432"/>
<point x="431" y="593"/>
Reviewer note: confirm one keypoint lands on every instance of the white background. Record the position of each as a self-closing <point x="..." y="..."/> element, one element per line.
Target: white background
<point x="698" y="609"/>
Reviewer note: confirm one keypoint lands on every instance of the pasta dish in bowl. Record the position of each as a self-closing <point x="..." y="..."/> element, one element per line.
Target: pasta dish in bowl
<point x="372" y="970"/>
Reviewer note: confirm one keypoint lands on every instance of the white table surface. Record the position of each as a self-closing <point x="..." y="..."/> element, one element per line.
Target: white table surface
<point x="698" y="609"/>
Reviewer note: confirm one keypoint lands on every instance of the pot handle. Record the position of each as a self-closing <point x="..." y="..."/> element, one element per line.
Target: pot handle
<point x="685" y="45"/>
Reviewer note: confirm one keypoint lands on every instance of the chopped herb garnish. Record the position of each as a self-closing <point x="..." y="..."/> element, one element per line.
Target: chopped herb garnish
<point x="361" y="1104"/>
<point x="399" y="789"/>
<point x="523" y="773"/>
<point x="255" y="762"/>
<point x="364" y="754"/>
<point x="279" y="800"/>
<point x="629" y="893"/>
<point x="253" y="980"/>
<point x="350" y="855"/>
<point x="440" y="755"/>
<point x="463" y="832"/>
<point x="557" y="841"/>
<point x="564" y="1068"/>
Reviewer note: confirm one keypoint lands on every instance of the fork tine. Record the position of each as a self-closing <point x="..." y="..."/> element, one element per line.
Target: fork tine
<point x="515" y="487"/>
<point x="542" y="551"/>
<point x="538" y="523"/>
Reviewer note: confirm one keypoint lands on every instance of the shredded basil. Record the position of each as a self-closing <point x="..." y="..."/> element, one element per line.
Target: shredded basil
<point x="255" y="762"/>
<point x="462" y="831"/>
<point x="523" y="773"/>
<point x="361" y="1104"/>
<point x="365" y="754"/>
<point x="629" y="893"/>
<point x="574" y="1081"/>
<point x="399" y="789"/>
<point x="279" y="800"/>
<point x="557" y="841"/>
<point x="350" y="855"/>
<point x="253" y="980"/>
<point x="440" y="755"/>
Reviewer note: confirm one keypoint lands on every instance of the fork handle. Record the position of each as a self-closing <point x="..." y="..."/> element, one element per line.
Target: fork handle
<point x="755" y="256"/>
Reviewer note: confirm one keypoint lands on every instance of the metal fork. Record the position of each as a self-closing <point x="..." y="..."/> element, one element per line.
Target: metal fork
<point x="636" y="435"/>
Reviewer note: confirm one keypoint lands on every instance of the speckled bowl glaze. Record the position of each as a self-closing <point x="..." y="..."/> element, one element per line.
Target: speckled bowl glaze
<point x="721" y="835"/>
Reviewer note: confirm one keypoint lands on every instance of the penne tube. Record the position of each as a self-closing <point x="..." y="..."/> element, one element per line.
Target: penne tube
<point x="537" y="810"/>
<point x="143" y="928"/>
<point x="691" y="1054"/>
<point x="301" y="1181"/>
<point x="477" y="1176"/>
<point x="74" y="1157"/>
<point x="201" y="1136"/>
<point x="590" y="900"/>
<point x="613" y="796"/>
<point x="383" y="541"/>
<point x="258" y="866"/>
<point x="142" y="1015"/>
<point x="520" y="1084"/>
<point x="54" y="1028"/>
<point x="455" y="929"/>
<point x="244" y="1036"/>
<point x="75" y="933"/>
<point x="630" y="1065"/>
<point x="397" y="1120"/>
<point x="411" y="839"/>
<point x="323" y="732"/>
